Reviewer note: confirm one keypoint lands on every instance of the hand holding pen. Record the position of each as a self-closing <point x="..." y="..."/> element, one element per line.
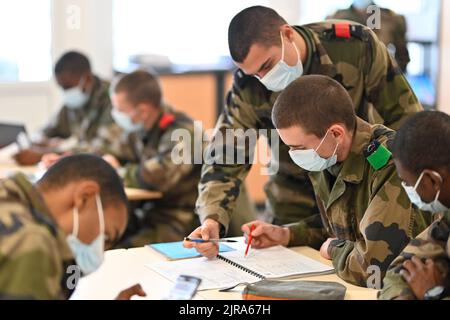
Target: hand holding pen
<point x="265" y="235"/>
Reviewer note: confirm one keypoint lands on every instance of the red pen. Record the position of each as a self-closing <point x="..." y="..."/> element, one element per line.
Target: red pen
<point x="250" y="238"/>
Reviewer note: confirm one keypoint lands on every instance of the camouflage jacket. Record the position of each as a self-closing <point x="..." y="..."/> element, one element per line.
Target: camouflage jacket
<point x="433" y="243"/>
<point x="86" y="123"/>
<point x="392" y="30"/>
<point x="34" y="254"/>
<point x="366" y="209"/>
<point x="149" y="165"/>
<point x="380" y="93"/>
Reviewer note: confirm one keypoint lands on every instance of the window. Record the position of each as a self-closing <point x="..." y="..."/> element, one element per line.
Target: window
<point x="187" y="32"/>
<point x="25" y="40"/>
<point x="423" y="41"/>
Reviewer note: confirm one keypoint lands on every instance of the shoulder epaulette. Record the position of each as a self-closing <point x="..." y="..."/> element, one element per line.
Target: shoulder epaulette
<point x="166" y="120"/>
<point x="345" y="30"/>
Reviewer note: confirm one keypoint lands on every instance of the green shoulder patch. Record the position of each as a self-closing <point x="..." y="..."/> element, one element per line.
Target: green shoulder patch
<point x="377" y="154"/>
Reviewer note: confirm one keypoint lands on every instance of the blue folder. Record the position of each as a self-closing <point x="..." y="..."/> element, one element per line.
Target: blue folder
<point x="176" y="251"/>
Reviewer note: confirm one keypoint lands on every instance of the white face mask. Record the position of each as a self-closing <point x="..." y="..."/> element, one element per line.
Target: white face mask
<point x="310" y="160"/>
<point x="434" y="207"/>
<point x="89" y="257"/>
<point x="282" y="75"/>
<point x="124" y="121"/>
<point x="75" y="98"/>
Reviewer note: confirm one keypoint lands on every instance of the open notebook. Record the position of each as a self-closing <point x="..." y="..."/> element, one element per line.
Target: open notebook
<point x="232" y="268"/>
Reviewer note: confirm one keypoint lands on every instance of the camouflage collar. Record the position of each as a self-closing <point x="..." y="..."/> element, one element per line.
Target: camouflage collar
<point x="310" y="46"/>
<point x="319" y="61"/>
<point x="165" y="108"/>
<point x="41" y="213"/>
<point x="155" y="127"/>
<point x="31" y="195"/>
<point x="97" y="90"/>
<point x="446" y="216"/>
<point x="353" y="168"/>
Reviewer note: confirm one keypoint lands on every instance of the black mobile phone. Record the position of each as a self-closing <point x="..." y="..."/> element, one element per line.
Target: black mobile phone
<point x="185" y="288"/>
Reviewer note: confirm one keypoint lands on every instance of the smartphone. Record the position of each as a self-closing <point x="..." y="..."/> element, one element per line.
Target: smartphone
<point x="185" y="288"/>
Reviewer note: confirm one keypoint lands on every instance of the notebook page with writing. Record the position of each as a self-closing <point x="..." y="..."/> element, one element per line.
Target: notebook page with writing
<point x="277" y="262"/>
<point x="215" y="274"/>
<point x="232" y="268"/>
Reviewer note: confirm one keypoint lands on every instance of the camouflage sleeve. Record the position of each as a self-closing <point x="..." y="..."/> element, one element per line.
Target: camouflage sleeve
<point x="30" y="265"/>
<point x="424" y="246"/>
<point x="59" y="126"/>
<point x="385" y="228"/>
<point x="401" y="45"/>
<point x="387" y="88"/>
<point x="220" y="183"/>
<point x="308" y="232"/>
<point x="161" y="172"/>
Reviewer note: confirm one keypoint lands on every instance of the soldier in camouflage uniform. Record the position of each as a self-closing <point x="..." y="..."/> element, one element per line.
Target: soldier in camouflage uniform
<point x="364" y="212"/>
<point x="348" y="53"/>
<point x="37" y="259"/>
<point x="147" y="158"/>
<point x="86" y="111"/>
<point x="392" y="31"/>
<point x="422" y="157"/>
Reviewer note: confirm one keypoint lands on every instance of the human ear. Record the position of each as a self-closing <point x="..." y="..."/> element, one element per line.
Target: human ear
<point x="287" y="31"/>
<point x="83" y="192"/>
<point x="434" y="178"/>
<point x="338" y="132"/>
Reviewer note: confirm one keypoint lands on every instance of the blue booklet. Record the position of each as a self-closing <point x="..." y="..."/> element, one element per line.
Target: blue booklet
<point x="176" y="251"/>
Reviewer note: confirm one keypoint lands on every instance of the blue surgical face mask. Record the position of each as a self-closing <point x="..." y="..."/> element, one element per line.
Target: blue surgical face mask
<point x="434" y="207"/>
<point x="88" y="257"/>
<point x="75" y="98"/>
<point x="282" y="75"/>
<point x="124" y="121"/>
<point x="310" y="160"/>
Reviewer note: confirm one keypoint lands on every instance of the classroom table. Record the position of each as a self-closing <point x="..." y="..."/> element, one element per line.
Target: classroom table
<point x="126" y="267"/>
<point x="133" y="194"/>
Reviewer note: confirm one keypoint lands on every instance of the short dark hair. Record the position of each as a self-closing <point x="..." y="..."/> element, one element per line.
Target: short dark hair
<point x="86" y="167"/>
<point x="256" y="24"/>
<point x="139" y="86"/>
<point x="423" y="142"/>
<point x="315" y="103"/>
<point x="73" y="62"/>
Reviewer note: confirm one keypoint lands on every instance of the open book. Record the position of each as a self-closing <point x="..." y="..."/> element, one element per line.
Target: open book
<point x="231" y="268"/>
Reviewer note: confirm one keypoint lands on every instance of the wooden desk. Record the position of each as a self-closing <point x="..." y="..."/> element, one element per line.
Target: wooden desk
<point x="124" y="268"/>
<point x="132" y="193"/>
<point x="141" y="194"/>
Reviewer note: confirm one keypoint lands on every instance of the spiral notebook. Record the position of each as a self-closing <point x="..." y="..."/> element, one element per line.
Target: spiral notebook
<point x="176" y="251"/>
<point x="231" y="268"/>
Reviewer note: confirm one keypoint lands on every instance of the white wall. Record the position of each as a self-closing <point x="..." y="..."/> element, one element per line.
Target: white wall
<point x="84" y="25"/>
<point x="444" y="79"/>
<point x="28" y="103"/>
<point x="288" y="9"/>
<point x="34" y="102"/>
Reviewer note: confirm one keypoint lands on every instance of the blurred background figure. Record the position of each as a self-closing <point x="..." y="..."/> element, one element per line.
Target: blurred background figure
<point x="392" y="31"/>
